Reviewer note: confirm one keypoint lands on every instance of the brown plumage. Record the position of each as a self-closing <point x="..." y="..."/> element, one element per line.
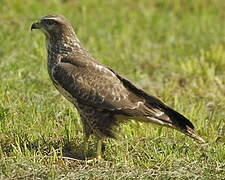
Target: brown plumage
<point x="101" y="95"/>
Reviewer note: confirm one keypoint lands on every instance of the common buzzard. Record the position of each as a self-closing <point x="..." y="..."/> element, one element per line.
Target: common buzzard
<point x="102" y="97"/>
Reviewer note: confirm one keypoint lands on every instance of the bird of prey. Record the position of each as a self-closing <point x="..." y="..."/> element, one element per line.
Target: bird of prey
<point x="102" y="97"/>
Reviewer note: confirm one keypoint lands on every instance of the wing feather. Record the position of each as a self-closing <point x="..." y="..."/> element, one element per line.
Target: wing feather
<point x="93" y="84"/>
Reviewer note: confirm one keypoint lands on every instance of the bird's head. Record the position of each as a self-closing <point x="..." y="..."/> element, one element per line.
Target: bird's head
<point x="59" y="33"/>
<point x="54" y="26"/>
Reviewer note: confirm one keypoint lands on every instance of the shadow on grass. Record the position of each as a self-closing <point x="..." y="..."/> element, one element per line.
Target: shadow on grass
<point x="76" y="151"/>
<point x="46" y="146"/>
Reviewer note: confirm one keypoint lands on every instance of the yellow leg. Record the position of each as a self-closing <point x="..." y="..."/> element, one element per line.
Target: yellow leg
<point x="98" y="152"/>
<point x="86" y="137"/>
<point x="99" y="149"/>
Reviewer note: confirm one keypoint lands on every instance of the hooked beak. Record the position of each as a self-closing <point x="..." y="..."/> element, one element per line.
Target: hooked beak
<point x="35" y="26"/>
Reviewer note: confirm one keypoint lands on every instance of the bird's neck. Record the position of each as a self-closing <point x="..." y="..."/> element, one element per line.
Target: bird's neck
<point x="63" y="45"/>
<point x="59" y="47"/>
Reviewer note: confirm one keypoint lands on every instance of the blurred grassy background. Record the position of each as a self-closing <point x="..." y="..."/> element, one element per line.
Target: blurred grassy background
<point x="171" y="48"/>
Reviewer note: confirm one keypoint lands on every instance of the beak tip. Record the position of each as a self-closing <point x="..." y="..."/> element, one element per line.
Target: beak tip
<point x="34" y="26"/>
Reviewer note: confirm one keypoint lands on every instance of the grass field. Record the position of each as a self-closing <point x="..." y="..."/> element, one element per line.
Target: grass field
<point x="172" y="49"/>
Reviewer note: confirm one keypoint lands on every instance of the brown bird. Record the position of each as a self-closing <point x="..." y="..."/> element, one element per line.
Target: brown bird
<point x="102" y="97"/>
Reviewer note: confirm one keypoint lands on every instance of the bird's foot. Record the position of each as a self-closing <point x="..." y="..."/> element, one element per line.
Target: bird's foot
<point x="94" y="159"/>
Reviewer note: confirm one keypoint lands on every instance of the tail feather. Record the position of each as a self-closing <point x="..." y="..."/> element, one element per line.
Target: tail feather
<point x="175" y="120"/>
<point x="190" y="132"/>
<point x="160" y="113"/>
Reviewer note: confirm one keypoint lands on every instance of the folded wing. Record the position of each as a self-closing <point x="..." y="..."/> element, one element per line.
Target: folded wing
<point x="96" y="85"/>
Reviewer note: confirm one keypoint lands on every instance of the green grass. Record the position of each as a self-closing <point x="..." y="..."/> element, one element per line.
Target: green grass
<point x="172" y="49"/>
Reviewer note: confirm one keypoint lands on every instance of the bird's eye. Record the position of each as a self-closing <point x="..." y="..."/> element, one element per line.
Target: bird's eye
<point x="50" y="22"/>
